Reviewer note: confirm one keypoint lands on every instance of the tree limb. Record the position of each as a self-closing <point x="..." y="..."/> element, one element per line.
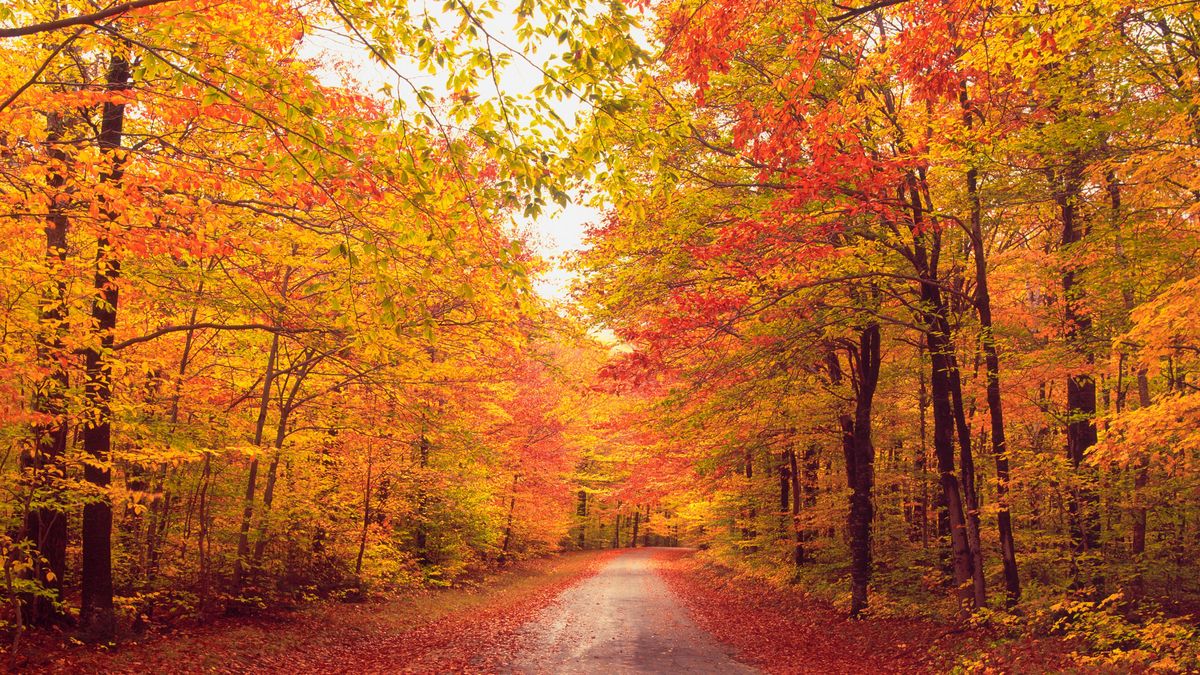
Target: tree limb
<point x="38" y="73"/>
<point x="852" y="12"/>
<point x="81" y="20"/>
<point x="217" y="326"/>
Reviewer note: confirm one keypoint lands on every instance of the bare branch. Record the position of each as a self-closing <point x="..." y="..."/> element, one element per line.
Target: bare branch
<point x="852" y="12"/>
<point x="81" y="20"/>
<point x="167" y="330"/>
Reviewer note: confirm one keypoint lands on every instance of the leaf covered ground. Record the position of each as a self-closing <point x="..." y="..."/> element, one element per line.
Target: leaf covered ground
<point x="788" y="631"/>
<point x="478" y="629"/>
<point x="454" y="630"/>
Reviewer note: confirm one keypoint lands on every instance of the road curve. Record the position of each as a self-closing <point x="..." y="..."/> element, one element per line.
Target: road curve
<point x="622" y="620"/>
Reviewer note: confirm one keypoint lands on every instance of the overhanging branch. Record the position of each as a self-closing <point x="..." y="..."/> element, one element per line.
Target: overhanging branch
<point x="81" y="20"/>
<point x="852" y="12"/>
<point x="167" y="330"/>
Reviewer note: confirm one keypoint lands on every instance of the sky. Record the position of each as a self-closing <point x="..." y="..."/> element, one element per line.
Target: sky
<point x="559" y="232"/>
<point x="556" y="232"/>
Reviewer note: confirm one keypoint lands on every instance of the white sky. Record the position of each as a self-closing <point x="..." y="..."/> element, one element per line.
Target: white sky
<point x="556" y="231"/>
<point x="560" y="232"/>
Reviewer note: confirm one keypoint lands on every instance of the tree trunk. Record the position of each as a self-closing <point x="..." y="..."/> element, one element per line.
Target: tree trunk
<point x="812" y="469"/>
<point x="991" y="358"/>
<point x="1081" y="388"/>
<point x="366" y="521"/>
<point x="921" y="461"/>
<point x="943" y="440"/>
<point x="264" y="405"/>
<point x="582" y="512"/>
<point x="788" y="479"/>
<point x="862" y="487"/>
<point x="260" y="543"/>
<point x="202" y="529"/>
<point x="420" y="536"/>
<point x="286" y="408"/>
<point x="798" y="552"/>
<point x="160" y="509"/>
<point x="785" y="492"/>
<point x="617" y="528"/>
<point x="983" y="307"/>
<point x="1141" y="476"/>
<point x="96" y="597"/>
<point x="966" y="461"/>
<point x="637" y="517"/>
<point x="46" y="526"/>
<point x="936" y="324"/>
<point x="750" y="515"/>
<point x="508" y="528"/>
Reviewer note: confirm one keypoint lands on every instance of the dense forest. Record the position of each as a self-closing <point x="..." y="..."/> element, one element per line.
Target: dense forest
<point x="913" y="289"/>
<point x="895" y="302"/>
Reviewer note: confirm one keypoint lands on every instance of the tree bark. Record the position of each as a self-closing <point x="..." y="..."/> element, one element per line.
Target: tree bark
<point x="160" y="508"/>
<point x="366" y="520"/>
<point x="260" y="542"/>
<point x="286" y="408"/>
<point x="943" y="446"/>
<point x="983" y="308"/>
<point x="921" y="461"/>
<point x="96" y="597"/>
<point x="582" y="512"/>
<point x="966" y="463"/>
<point x="617" y="528"/>
<point x="935" y="320"/>
<point x="991" y="359"/>
<point x="1141" y="478"/>
<point x="508" y="528"/>
<point x="637" y="516"/>
<point x="264" y="405"/>
<point x="46" y="526"/>
<point x="862" y="487"/>
<point x="859" y="453"/>
<point x="798" y="552"/>
<point x="749" y="531"/>
<point x="1081" y="388"/>
<point x="785" y="491"/>
<point x="420" y="536"/>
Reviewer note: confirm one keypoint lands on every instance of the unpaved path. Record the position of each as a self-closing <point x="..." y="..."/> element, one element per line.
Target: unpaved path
<point x="622" y="620"/>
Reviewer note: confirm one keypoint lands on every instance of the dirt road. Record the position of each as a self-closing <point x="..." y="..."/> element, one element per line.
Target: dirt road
<point x="622" y="620"/>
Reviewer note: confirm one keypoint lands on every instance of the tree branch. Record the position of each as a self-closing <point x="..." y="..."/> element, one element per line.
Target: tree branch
<point x="38" y="73"/>
<point x="81" y="20"/>
<point x="217" y="326"/>
<point x="852" y="12"/>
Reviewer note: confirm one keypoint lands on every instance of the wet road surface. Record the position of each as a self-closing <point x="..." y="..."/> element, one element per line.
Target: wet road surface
<point x="622" y="620"/>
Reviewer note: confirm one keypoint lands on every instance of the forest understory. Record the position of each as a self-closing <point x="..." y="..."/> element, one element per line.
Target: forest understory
<point x="471" y="627"/>
<point x="476" y="628"/>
